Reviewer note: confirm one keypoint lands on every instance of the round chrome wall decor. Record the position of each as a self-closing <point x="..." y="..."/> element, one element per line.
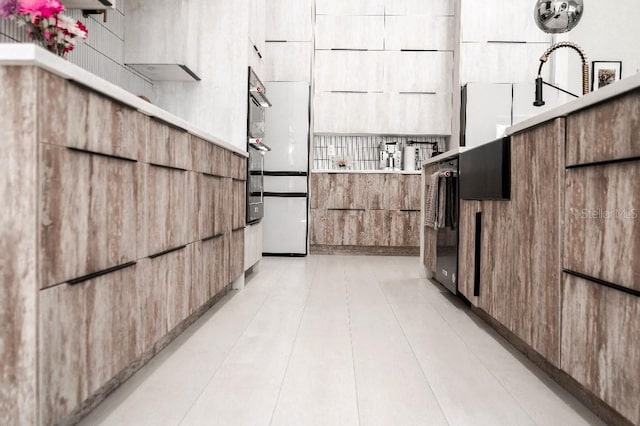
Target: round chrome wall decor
<point x="558" y="16"/>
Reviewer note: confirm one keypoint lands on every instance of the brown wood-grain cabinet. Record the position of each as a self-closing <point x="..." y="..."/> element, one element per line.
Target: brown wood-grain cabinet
<point x="120" y="230"/>
<point x="365" y="213"/>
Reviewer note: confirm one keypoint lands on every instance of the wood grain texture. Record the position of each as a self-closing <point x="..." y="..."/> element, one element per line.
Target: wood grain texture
<point x="239" y="202"/>
<point x="214" y="266"/>
<point x="79" y="118"/>
<point x="209" y="158"/>
<point x="89" y="205"/>
<point x="167" y="146"/>
<point x="607" y="131"/>
<point x="404" y="192"/>
<point x="404" y="229"/>
<point x="236" y="254"/>
<point x="350" y="227"/>
<point x="18" y="245"/>
<point x="199" y="292"/>
<point x="537" y="188"/>
<point x="172" y="271"/>
<point x="365" y="251"/>
<point x="252" y="245"/>
<point x="600" y="340"/>
<point x="319" y="188"/>
<point x="211" y="206"/>
<point x="602" y="223"/>
<point x="238" y="167"/>
<point x="88" y="333"/>
<point x="164" y="214"/>
<point x="466" y="248"/>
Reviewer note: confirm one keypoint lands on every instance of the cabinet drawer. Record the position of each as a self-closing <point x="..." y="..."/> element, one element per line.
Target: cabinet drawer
<point x="86" y="120"/>
<point x="239" y="204"/>
<point x="404" y="192"/>
<point x="166" y="220"/>
<point x="404" y="229"/>
<point x="236" y="255"/>
<point x="168" y="146"/>
<point x="602" y="235"/>
<point x="213" y="211"/>
<point x="407" y="32"/>
<point x="350" y="32"/>
<point x="349" y="71"/>
<point x="605" y="132"/>
<point x="600" y="340"/>
<point x="238" y="167"/>
<point x="214" y="264"/>
<point x="350" y="227"/>
<point x="88" y="218"/>
<point x="209" y="158"/>
<point x="88" y="333"/>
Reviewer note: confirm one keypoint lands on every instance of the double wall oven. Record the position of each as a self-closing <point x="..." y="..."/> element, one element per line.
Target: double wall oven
<point x="256" y="148"/>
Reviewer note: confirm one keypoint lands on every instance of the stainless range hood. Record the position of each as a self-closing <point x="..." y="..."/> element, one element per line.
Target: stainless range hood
<point x="165" y="72"/>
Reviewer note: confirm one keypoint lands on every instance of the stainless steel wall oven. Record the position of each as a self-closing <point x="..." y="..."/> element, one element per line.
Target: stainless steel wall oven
<point x="256" y="148"/>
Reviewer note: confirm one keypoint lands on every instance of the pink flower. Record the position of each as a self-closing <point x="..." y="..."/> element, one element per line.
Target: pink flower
<point x="8" y="7"/>
<point x="41" y="8"/>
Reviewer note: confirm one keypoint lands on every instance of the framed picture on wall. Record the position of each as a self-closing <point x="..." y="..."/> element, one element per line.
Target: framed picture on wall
<point x="603" y="73"/>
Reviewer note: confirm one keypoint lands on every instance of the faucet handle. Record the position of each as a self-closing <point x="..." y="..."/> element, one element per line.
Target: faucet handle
<point x="539" y="101"/>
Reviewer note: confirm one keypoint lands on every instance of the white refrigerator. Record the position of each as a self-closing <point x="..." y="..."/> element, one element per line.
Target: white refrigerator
<point x="286" y="170"/>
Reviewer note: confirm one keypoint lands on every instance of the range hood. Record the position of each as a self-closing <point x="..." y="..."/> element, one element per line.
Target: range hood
<point x="90" y="4"/>
<point x="165" y="72"/>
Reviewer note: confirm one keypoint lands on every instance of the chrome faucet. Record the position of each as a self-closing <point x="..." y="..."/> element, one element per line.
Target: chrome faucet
<point x="543" y="59"/>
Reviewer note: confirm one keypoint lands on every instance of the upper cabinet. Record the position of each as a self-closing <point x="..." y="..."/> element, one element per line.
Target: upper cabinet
<point x="498" y="20"/>
<point x="421" y="7"/>
<point x="408" y="33"/>
<point x="288" y="20"/>
<point x="351" y="7"/>
<point x="350" y="32"/>
<point x="167" y="47"/>
<point x="257" y="26"/>
<point x="90" y="4"/>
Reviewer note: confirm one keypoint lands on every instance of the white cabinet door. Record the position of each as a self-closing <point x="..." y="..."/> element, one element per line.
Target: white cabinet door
<point x="288" y="61"/>
<point x="257" y="15"/>
<point x="289" y="20"/>
<point x="348" y="113"/>
<point x="419" y="32"/>
<point x="417" y="114"/>
<point x="418" y="72"/>
<point x="499" y="20"/>
<point x="488" y="112"/>
<point x="287" y="127"/>
<point x="284" y="225"/>
<point x="350" y="32"/>
<point x="350" y="7"/>
<point x="349" y="71"/>
<point x="420" y="7"/>
<point x="501" y="62"/>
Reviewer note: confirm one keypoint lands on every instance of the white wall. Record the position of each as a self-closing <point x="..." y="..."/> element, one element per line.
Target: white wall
<point x="608" y="31"/>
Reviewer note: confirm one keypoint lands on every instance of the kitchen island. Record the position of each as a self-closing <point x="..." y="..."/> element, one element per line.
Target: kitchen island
<point x="121" y="225"/>
<point x="555" y="268"/>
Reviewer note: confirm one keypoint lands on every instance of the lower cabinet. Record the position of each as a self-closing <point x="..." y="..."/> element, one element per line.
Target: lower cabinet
<point x="600" y="341"/>
<point x="236" y="260"/>
<point x="375" y="211"/>
<point x="467" y="248"/>
<point x="213" y="261"/>
<point x="89" y="332"/>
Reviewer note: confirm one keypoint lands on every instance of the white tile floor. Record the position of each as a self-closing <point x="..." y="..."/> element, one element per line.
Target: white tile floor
<point x="340" y="340"/>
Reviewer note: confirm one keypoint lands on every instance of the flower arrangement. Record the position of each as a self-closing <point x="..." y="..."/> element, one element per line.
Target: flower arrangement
<point x="45" y="23"/>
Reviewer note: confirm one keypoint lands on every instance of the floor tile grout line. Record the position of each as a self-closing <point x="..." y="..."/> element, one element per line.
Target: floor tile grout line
<point x="232" y="347"/>
<point x="353" y="355"/>
<point x="293" y="345"/>
<point x="483" y="363"/>
<point x="395" y="316"/>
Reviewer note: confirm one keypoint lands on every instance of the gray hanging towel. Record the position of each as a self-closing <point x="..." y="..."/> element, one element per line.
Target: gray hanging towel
<point x="431" y="203"/>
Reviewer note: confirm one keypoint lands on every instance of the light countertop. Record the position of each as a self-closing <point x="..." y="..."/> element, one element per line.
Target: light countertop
<point x="32" y="55"/>
<point x="616" y="89"/>
<point x="445" y="155"/>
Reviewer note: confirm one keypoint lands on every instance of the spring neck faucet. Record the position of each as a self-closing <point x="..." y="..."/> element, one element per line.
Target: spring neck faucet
<point x="545" y="56"/>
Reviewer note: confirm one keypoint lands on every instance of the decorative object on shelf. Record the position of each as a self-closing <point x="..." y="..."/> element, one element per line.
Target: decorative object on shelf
<point x="603" y="73"/>
<point x="45" y="23"/>
<point x="343" y="162"/>
<point x="558" y="16"/>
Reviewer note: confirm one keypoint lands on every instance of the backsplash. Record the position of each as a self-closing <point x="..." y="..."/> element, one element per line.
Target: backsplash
<point x="362" y="151"/>
<point x="101" y="54"/>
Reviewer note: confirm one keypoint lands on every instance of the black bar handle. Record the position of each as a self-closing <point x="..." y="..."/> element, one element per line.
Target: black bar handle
<point x="94" y="275"/>
<point x="477" y="255"/>
<point x="162" y="253"/>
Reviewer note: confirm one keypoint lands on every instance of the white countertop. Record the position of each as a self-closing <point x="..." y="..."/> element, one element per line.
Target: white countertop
<point x="445" y="155"/>
<point x="32" y="55"/>
<point x="398" y="172"/>
<point x="618" y="88"/>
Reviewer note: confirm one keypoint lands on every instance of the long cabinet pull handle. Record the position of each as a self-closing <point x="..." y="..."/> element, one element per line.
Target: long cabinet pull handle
<point x="346" y="210"/>
<point x="604" y="283"/>
<point x="94" y="275"/>
<point x="213" y="237"/>
<point x="101" y="154"/>
<point x="478" y="255"/>
<point x="165" y="252"/>
<point x="162" y="166"/>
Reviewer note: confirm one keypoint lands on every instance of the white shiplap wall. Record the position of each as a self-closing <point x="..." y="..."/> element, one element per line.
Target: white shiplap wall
<point x="102" y="53"/>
